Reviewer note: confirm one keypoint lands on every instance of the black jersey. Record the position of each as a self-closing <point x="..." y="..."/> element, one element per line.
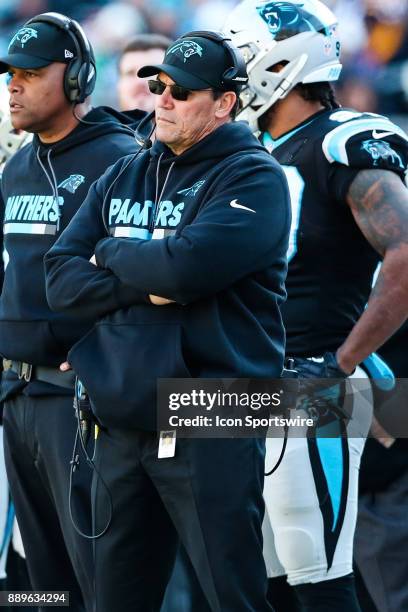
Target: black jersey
<point x="331" y="264"/>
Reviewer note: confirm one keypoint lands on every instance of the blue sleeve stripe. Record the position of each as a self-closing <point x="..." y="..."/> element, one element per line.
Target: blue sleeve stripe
<point x="334" y="144"/>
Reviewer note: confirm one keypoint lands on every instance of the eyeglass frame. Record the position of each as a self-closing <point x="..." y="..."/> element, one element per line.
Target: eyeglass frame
<point x="177" y="92"/>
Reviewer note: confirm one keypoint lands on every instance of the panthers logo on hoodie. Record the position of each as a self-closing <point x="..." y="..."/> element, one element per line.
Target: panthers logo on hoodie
<point x="72" y="183"/>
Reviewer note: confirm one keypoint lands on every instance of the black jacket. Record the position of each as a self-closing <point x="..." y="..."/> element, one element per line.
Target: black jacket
<point x="219" y="217"/>
<point x="34" y="179"/>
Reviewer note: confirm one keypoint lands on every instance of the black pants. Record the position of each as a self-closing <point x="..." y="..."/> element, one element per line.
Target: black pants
<point x="39" y="435"/>
<point x="184" y="592"/>
<point x="336" y="595"/>
<point x="209" y="494"/>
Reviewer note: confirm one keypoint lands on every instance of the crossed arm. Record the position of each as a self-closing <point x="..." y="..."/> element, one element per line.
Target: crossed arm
<point x="154" y="299"/>
<point x="220" y="246"/>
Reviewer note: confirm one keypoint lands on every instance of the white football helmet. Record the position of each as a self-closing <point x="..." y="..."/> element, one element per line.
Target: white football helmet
<point x="301" y="34"/>
<point x="10" y="140"/>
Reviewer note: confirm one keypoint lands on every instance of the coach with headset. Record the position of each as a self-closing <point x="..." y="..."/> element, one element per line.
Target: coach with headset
<point x="189" y="225"/>
<point x="51" y="70"/>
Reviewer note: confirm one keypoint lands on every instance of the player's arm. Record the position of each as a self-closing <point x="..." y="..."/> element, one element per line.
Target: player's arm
<point x="379" y="202"/>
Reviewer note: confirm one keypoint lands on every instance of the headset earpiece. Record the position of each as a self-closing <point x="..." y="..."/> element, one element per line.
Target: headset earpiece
<point x="71" y="80"/>
<point x="80" y="73"/>
<point x="236" y="75"/>
<point x="86" y="80"/>
<point x="238" y="72"/>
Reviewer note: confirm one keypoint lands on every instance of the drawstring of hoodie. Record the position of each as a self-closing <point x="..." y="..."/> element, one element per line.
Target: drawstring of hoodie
<point x="157" y="179"/>
<point x="158" y="199"/>
<point x="52" y="181"/>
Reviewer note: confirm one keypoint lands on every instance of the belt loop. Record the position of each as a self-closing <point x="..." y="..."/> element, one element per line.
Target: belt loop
<point x="25" y="371"/>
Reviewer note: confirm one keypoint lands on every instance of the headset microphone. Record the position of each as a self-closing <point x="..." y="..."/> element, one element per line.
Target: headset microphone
<point x="144" y="143"/>
<point x="142" y="140"/>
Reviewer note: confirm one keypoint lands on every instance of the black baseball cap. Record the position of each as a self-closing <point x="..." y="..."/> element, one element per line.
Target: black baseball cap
<point x="38" y="44"/>
<point x="195" y="63"/>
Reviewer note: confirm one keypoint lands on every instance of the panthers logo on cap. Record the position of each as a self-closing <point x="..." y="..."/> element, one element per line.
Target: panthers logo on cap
<point x="23" y="36"/>
<point x="286" y="15"/>
<point x="187" y="48"/>
<point x="379" y="149"/>
<point x="72" y="183"/>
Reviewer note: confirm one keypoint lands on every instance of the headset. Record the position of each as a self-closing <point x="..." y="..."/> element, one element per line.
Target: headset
<point x="236" y="76"/>
<point x="80" y="73"/>
<point x="143" y="136"/>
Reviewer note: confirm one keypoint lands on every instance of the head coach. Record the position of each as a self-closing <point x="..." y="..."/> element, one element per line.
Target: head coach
<point x="51" y="73"/>
<point x="198" y="224"/>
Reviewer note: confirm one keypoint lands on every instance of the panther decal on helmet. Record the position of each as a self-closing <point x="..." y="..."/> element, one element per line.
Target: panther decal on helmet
<point x="287" y="16"/>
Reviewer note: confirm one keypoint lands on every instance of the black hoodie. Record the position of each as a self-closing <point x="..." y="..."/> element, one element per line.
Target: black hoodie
<point x="34" y="179"/>
<point x="219" y="217"/>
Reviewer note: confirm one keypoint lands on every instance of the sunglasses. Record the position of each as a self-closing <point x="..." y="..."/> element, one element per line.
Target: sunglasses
<point x="177" y="91"/>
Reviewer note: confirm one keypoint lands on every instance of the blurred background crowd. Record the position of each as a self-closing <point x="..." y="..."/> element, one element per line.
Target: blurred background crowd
<point x="374" y="35"/>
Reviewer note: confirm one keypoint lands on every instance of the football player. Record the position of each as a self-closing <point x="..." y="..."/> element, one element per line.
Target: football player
<point x="350" y="210"/>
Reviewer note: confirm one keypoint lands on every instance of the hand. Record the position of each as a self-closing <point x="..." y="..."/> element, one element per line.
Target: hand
<point x="323" y="367"/>
<point x="93" y="260"/>
<point x="321" y="386"/>
<point x="341" y="363"/>
<point x="159" y="301"/>
<point x="65" y="366"/>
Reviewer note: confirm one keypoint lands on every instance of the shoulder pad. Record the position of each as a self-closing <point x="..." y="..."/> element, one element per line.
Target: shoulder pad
<point x="366" y="140"/>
